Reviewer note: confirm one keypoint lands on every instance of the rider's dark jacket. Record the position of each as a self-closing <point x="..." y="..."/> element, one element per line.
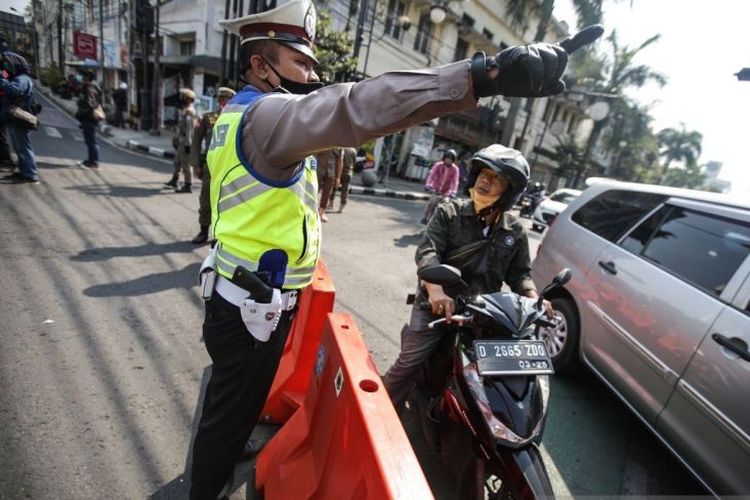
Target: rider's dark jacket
<point x="454" y="225"/>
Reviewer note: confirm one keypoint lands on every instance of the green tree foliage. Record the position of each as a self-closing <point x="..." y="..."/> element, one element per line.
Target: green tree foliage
<point x="569" y="157"/>
<point x="689" y="177"/>
<point x="333" y="50"/>
<point x="679" y="145"/>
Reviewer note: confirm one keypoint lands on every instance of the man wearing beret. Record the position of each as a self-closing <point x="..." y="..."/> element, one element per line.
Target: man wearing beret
<point x="201" y="141"/>
<point x="264" y="204"/>
<point x="182" y="143"/>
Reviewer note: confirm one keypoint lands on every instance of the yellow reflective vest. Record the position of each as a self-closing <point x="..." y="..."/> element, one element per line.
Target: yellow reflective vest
<point x="261" y="224"/>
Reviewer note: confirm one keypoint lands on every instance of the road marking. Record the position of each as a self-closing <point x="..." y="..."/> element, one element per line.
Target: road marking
<point x="77" y="136"/>
<point x="52" y="132"/>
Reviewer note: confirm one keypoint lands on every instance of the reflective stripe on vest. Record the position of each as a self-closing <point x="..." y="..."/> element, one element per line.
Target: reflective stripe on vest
<point x="252" y="215"/>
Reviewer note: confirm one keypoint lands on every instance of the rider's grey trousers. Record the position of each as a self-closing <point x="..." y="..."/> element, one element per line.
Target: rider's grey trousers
<point x="417" y="343"/>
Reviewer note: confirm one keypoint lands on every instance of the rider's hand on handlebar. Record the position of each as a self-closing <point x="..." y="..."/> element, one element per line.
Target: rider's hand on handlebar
<point x="440" y="303"/>
<point x="549" y="311"/>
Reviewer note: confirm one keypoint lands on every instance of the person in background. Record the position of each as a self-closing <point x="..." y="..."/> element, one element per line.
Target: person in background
<point x="17" y="90"/>
<point x="328" y="165"/>
<point x="120" y="97"/>
<point x="201" y="142"/>
<point x="88" y="104"/>
<point x="344" y="176"/>
<point x="183" y="140"/>
<point x="442" y="182"/>
<point x="5" y="160"/>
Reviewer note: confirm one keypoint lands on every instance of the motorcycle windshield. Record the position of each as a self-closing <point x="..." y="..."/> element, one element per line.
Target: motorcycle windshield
<point x="511" y="311"/>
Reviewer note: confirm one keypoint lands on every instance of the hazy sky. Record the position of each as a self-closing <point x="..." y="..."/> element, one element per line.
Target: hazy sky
<point x="703" y="44"/>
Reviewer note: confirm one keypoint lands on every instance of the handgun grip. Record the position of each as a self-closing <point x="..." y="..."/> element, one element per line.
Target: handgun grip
<point x="259" y="291"/>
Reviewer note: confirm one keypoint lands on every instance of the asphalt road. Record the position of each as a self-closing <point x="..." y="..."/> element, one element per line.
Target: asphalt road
<point x="101" y="361"/>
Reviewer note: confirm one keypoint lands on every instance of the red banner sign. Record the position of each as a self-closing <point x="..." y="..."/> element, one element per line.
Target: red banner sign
<point x="84" y="45"/>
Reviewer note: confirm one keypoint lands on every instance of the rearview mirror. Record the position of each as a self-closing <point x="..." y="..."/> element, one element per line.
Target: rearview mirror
<point x="562" y="277"/>
<point x="559" y="280"/>
<point x="442" y="275"/>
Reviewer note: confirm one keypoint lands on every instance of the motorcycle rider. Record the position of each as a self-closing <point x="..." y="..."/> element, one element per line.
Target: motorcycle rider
<point x="442" y="182"/>
<point x="497" y="177"/>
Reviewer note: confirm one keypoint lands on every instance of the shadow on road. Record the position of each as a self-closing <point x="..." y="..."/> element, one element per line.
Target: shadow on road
<point x="408" y="240"/>
<point x="104" y="253"/>
<point x="187" y="277"/>
<point x="118" y="191"/>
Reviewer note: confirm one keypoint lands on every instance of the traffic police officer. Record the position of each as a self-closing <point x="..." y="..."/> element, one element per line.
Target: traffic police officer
<point x="264" y="196"/>
<point x="182" y="157"/>
<point x="201" y="141"/>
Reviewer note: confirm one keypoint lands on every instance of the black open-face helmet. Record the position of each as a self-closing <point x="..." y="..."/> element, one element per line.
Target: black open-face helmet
<point x="450" y="153"/>
<point x="504" y="161"/>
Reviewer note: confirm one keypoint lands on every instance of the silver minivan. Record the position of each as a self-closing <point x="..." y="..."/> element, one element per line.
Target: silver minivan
<point x="659" y="308"/>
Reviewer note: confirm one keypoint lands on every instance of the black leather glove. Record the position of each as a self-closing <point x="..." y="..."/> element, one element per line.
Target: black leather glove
<point x="532" y="70"/>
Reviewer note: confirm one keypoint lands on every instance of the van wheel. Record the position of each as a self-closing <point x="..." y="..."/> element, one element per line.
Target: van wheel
<point x="562" y="339"/>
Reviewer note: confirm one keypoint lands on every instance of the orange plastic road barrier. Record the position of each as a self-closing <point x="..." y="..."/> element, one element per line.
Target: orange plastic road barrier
<point x="297" y="362"/>
<point x="345" y="441"/>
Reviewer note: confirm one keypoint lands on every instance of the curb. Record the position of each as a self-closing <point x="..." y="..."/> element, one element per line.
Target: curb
<point x="390" y="193"/>
<point x="150" y="150"/>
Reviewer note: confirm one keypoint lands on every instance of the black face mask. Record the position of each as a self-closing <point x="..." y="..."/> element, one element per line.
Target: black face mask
<point x="291" y="87"/>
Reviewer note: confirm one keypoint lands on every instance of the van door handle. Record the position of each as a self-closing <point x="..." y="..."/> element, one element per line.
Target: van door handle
<point x="608" y="266"/>
<point x="736" y="348"/>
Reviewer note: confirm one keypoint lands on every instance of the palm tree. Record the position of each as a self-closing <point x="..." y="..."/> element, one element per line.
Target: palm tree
<point x="620" y="73"/>
<point x="679" y="145"/>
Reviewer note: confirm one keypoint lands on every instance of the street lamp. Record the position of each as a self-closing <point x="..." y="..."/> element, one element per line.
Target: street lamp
<point x="438" y="14"/>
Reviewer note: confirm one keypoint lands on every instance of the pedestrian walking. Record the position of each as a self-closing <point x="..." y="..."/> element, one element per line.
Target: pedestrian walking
<point x="266" y="213"/>
<point x="18" y="114"/>
<point x="182" y="143"/>
<point x="344" y="177"/>
<point x="328" y="164"/>
<point x="442" y="182"/>
<point x="201" y="142"/>
<point x="120" y="98"/>
<point x="5" y="160"/>
<point x="90" y="112"/>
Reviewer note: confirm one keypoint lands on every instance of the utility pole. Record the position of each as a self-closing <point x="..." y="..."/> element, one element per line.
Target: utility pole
<point x="156" y="79"/>
<point x="101" y="52"/>
<point x="60" y="53"/>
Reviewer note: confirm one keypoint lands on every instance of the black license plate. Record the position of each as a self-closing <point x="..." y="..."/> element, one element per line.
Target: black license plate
<point x="512" y="357"/>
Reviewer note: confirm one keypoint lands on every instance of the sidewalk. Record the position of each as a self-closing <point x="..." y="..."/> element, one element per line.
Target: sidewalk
<point x="161" y="147"/>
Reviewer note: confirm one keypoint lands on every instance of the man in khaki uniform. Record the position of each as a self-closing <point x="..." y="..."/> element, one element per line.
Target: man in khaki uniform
<point x="201" y="141"/>
<point x="328" y="165"/>
<point x="344" y="176"/>
<point x="260" y="169"/>
<point x="182" y="142"/>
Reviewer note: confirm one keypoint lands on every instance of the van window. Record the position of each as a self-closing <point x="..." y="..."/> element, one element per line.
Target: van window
<point x="612" y="213"/>
<point x="700" y="248"/>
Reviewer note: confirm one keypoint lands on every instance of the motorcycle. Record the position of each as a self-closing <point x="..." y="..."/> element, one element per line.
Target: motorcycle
<point x="527" y="206"/>
<point x="482" y="396"/>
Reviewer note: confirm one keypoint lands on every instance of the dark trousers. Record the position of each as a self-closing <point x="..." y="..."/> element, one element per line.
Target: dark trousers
<point x="346" y="179"/>
<point x="204" y="200"/>
<point x="4" y="148"/>
<point x="120" y="116"/>
<point x="21" y="141"/>
<point x="89" y="137"/>
<point x="241" y="377"/>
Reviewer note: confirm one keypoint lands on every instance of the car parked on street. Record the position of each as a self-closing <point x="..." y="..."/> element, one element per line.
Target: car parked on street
<point x="550" y="207"/>
<point x="659" y="308"/>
